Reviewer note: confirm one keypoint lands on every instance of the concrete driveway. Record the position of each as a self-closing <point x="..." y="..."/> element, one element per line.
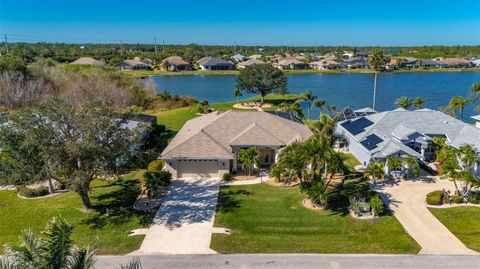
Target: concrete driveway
<point x="407" y="201"/>
<point x="184" y="221"/>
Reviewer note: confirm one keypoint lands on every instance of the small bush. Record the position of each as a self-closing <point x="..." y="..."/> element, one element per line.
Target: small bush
<point x="30" y="193"/>
<point x="435" y="198"/>
<point x="474" y="199"/>
<point x="456" y="199"/>
<point x="156" y="165"/>
<point x="154" y="180"/>
<point x="227" y="177"/>
<point x="376" y="204"/>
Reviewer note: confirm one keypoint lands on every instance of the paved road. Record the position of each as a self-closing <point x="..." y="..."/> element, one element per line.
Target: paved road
<point x="184" y="222"/>
<point x="407" y="201"/>
<point x="297" y="261"/>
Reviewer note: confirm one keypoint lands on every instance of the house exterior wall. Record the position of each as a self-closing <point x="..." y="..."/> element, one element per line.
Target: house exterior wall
<point x="223" y="167"/>
<point x="357" y="150"/>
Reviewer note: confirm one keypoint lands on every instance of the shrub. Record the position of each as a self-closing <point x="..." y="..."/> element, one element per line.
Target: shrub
<point x="376" y="204"/>
<point x="154" y="180"/>
<point x="435" y="198"/>
<point x="474" y="199"/>
<point x="156" y="165"/>
<point x="227" y="177"/>
<point x="30" y="193"/>
<point x="316" y="192"/>
<point x="456" y="199"/>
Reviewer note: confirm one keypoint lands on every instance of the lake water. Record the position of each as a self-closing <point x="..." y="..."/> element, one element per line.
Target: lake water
<point x="347" y="89"/>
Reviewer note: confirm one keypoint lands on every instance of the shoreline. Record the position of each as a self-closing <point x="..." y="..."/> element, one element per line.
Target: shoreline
<point x="141" y="73"/>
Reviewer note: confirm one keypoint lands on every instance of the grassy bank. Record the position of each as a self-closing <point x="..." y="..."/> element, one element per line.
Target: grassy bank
<point x="266" y="219"/>
<point x="111" y="230"/>
<point x="142" y="73"/>
<point x="463" y="222"/>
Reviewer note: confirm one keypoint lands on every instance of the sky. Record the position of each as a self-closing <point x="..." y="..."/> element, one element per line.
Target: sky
<point x="244" y="22"/>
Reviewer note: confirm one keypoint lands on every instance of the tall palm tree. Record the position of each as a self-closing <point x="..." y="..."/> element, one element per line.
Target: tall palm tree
<point x="475" y="93"/>
<point x="308" y="98"/>
<point x="468" y="156"/>
<point x="377" y="60"/>
<point x="457" y="103"/>
<point x="250" y="158"/>
<point x="375" y="170"/>
<point x="320" y="104"/>
<point x="418" y="102"/>
<point x="237" y="93"/>
<point x="403" y="102"/>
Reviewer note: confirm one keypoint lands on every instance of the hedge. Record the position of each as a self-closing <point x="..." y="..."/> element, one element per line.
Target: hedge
<point x="31" y="193"/>
<point x="435" y="198"/>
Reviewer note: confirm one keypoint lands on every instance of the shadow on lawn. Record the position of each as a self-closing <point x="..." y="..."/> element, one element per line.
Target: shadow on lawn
<point x="229" y="200"/>
<point x="116" y="207"/>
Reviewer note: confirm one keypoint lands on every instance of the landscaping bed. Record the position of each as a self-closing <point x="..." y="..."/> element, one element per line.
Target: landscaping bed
<point x="267" y="219"/>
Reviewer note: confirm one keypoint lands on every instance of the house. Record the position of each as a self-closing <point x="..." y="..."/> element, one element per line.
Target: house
<point x="324" y="64"/>
<point x="291" y="63"/>
<point x="88" y="61"/>
<point x="176" y="63"/>
<point x="453" y="62"/>
<point x="428" y="63"/>
<point x="237" y="58"/>
<point x="355" y="62"/>
<point x="392" y="64"/>
<point x="477" y="120"/>
<point x="209" y="146"/>
<point x="409" y="62"/>
<point x="132" y="65"/>
<point x="475" y="62"/>
<point x="347" y="54"/>
<point x="401" y="132"/>
<point x="255" y="56"/>
<point x="250" y="62"/>
<point x="211" y="63"/>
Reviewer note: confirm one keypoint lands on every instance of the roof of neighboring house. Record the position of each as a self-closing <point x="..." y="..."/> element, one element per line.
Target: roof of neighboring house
<point x="239" y="57"/>
<point x="324" y="62"/>
<point x="453" y="60"/>
<point x="212" y="135"/>
<point x="255" y="56"/>
<point x="210" y="61"/>
<point x="134" y="62"/>
<point x="477" y="117"/>
<point x="393" y="61"/>
<point x="401" y="124"/>
<point x="87" y="61"/>
<point x="289" y="61"/>
<point x="429" y="62"/>
<point x="347" y="113"/>
<point x="175" y="60"/>
<point x="251" y="62"/>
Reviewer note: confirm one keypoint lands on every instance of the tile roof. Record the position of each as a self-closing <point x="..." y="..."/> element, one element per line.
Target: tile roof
<point x="209" y="61"/>
<point x="201" y="137"/>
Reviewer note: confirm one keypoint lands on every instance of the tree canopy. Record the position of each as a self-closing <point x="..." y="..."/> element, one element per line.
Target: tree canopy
<point x="262" y="79"/>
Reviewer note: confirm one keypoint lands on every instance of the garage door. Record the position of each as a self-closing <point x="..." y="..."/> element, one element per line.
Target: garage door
<point x="197" y="168"/>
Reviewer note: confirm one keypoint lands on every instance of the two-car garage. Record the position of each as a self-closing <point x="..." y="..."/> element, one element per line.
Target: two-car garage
<point x="198" y="168"/>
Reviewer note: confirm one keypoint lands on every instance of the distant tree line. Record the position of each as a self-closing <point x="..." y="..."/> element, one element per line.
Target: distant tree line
<point x="113" y="54"/>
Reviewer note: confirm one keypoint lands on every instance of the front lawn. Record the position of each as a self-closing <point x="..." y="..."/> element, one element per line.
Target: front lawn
<point x="266" y="219"/>
<point x="463" y="222"/>
<point x="111" y="230"/>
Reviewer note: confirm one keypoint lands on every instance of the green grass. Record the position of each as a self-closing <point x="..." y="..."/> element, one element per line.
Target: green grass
<point x="272" y="219"/>
<point x="463" y="222"/>
<point x="174" y="119"/>
<point x="118" y="197"/>
<point x="351" y="161"/>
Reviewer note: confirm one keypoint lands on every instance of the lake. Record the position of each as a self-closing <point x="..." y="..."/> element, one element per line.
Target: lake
<point x="346" y="89"/>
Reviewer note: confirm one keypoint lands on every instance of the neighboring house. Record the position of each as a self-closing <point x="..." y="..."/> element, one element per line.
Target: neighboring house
<point x="88" y="61"/>
<point x="132" y="65"/>
<point x="392" y="64"/>
<point x="255" y="56"/>
<point x="209" y="146"/>
<point x="237" y="58"/>
<point x="476" y="62"/>
<point x="361" y="54"/>
<point x="409" y="62"/>
<point x="477" y="120"/>
<point x="211" y="63"/>
<point x="404" y="133"/>
<point x="176" y="63"/>
<point x="454" y="62"/>
<point x="347" y="54"/>
<point x="355" y="62"/>
<point x="428" y="63"/>
<point x="291" y="63"/>
<point x="324" y="64"/>
<point x="250" y="62"/>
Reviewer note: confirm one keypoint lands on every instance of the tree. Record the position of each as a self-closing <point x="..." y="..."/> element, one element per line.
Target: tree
<point x="475" y="93"/>
<point x="203" y="107"/>
<point x="292" y="164"/>
<point x="308" y="98"/>
<point x="262" y="79"/>
<point x="250" y="158"/>
<point x="375" y="170"/>
<point x="320" y="104"/>
<point x="418" y="102"/>
<point x="75" y="145"/>
<point x="237" y="93"/>
<point x="457" y="103"/>
<point x="377" y="60"/>
<point x="395" y="164"/>
<point x="404" y="102"/>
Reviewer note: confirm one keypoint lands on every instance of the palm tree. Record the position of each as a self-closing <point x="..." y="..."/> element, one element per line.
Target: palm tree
<point x="320" y="104"/>
<point x="377" y="60"/>
<point x="250" y="158"/>
<point x="203" y="107"/>
<point x="418" y="102"/>
<point x="237" y="93"/>
<point x="475" y="93"/>
<point x="468" y="156"/>
<point x="403" y="102"/>
<point x="375" y="170"/>
<point x="394" y="163"/>
<point x="412" y="166"/>
<point x="457" y="103"/>
<point x="308" y="98"/>
<point x="55" y="250"/>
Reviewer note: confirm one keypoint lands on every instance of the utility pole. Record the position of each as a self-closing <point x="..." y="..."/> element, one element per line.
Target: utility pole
<point x="155" y="39"/>
<point x="374" y="90"/>
<point x="6" y="42"/>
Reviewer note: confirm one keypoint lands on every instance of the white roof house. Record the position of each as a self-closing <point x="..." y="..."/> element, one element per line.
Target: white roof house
<point x="208" y="146"/>
<point x="402" y="132"/>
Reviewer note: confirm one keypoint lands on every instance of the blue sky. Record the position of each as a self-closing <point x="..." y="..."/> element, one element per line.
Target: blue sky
<point x="247" y="22"/>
